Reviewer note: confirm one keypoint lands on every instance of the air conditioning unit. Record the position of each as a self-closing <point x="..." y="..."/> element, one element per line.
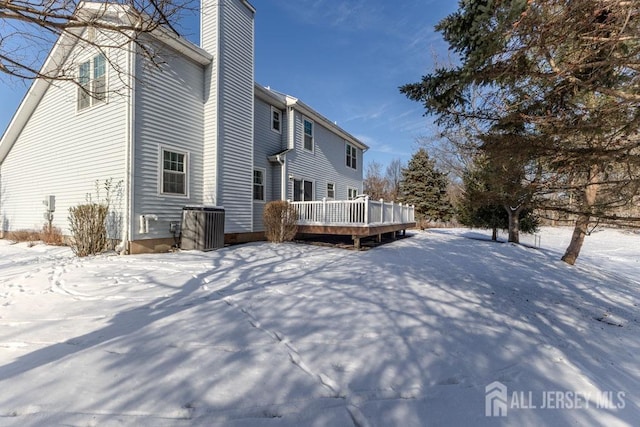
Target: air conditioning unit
<point x="202" y="228"/>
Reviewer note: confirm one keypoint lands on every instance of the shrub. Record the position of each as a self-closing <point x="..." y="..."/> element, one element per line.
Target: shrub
<point x="19" y="236"/>
<point x="52" y="236"/>
<point x="88" y="225"/>
<point x="280" y="221"/>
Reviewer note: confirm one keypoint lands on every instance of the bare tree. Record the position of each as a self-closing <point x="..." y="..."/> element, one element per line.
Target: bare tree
<point x="393" y="176"/>
<point x="30" y="28"/>
<point x="375" y="184"/>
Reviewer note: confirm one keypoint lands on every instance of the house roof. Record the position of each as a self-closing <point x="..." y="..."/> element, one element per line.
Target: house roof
<point x="282" y="100"/>
<point x="60" y="52"/>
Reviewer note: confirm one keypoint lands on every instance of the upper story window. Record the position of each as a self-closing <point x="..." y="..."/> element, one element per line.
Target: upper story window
<point x="276" y="120"/>
<point x="174" y="173"/>
<point x="352" y="156"/>
<point x="92" y="80"/>
<point x="258" y="185"/>
<point x="308" y="135"/>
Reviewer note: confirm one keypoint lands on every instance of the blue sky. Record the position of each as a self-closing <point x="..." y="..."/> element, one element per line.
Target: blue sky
<point x="344" y="58"/>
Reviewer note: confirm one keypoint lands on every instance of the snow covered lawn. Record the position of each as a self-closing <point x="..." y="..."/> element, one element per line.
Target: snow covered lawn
<point x="406" y="334"/>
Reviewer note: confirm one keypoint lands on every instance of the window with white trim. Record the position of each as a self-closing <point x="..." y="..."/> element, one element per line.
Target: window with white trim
<point x="92" y="82"/>
<point x="174" y="173"/>
<point x="302" y="190"/>
<point x="352" y="156"/>
<point x="352" y="193"/>
<point x="258" y="185"/>
<point x="308" y="135"/>
<point x="276" y="120"/>
<point x="331" y="190"/>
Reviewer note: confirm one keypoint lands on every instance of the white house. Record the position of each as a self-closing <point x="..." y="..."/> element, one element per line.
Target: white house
<point x="197" y="130"/>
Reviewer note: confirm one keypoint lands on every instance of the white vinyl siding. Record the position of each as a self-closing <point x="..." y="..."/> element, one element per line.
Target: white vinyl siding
<point x="231" y="107"/>
<point x="66" y="155"/>
<point x="169" y="118"/>
<point x="266" y="143"/>
<point x="209" y="41"/>
<point x="325" y="164"/>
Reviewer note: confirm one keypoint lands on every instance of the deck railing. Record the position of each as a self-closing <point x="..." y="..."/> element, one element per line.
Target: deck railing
<point x="361" y="211"/>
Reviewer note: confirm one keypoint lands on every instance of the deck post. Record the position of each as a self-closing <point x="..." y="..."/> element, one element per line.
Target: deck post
<point x="379" y="238"/>
<point x="356" y="242"/>
<point x="366" y="211"/>
<point x="324" y="209"/>
<point x="392" y="211"/>
<point x="381" y="211"/>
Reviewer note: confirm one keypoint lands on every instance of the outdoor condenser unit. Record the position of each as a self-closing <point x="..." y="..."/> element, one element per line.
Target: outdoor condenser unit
<point x="202" y="228"/>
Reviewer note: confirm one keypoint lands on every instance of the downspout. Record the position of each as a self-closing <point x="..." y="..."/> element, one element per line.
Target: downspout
<point x="291" y="144"/>
<point x="282" y="160"/>
<point x="128" y="182"/>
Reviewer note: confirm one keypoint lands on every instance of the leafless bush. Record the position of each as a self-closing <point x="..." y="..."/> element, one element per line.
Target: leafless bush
<point x="52" y="236"/>
<point x="19" y="236"/>
<point x="280" y="221"/>
<point x="88" y="227"/>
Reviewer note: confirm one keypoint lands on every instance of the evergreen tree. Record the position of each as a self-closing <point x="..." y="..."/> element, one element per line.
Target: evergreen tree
<point x="568" y="71"/>
<point x="482" y="206"/>
<point x="425" y="187"/>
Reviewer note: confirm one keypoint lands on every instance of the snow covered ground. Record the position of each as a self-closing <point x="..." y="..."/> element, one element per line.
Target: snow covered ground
<point x="407" y="334"/>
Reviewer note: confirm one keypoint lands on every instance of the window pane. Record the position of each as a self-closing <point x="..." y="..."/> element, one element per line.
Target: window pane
<point x="308" y="190"/>
<point x="297" y="190"/>
<point x="99" y="89"/>
<point x="84" y="73"/>
<point x="258" y="192"/>
<point x="83" y="98"/>
<point x="180" y="162"/>
<point x="99" y="66"/>
<point x="257" y="177"/>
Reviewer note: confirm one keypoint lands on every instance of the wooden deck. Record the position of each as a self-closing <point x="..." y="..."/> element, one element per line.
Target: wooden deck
<point x="358" y="218"/>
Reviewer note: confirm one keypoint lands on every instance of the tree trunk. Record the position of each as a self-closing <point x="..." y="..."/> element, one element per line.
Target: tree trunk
<point x="514" y="223"/>
<point x="582" y="222"/>
<point x="579" y="232"/>
<point x="494" y="234"/>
